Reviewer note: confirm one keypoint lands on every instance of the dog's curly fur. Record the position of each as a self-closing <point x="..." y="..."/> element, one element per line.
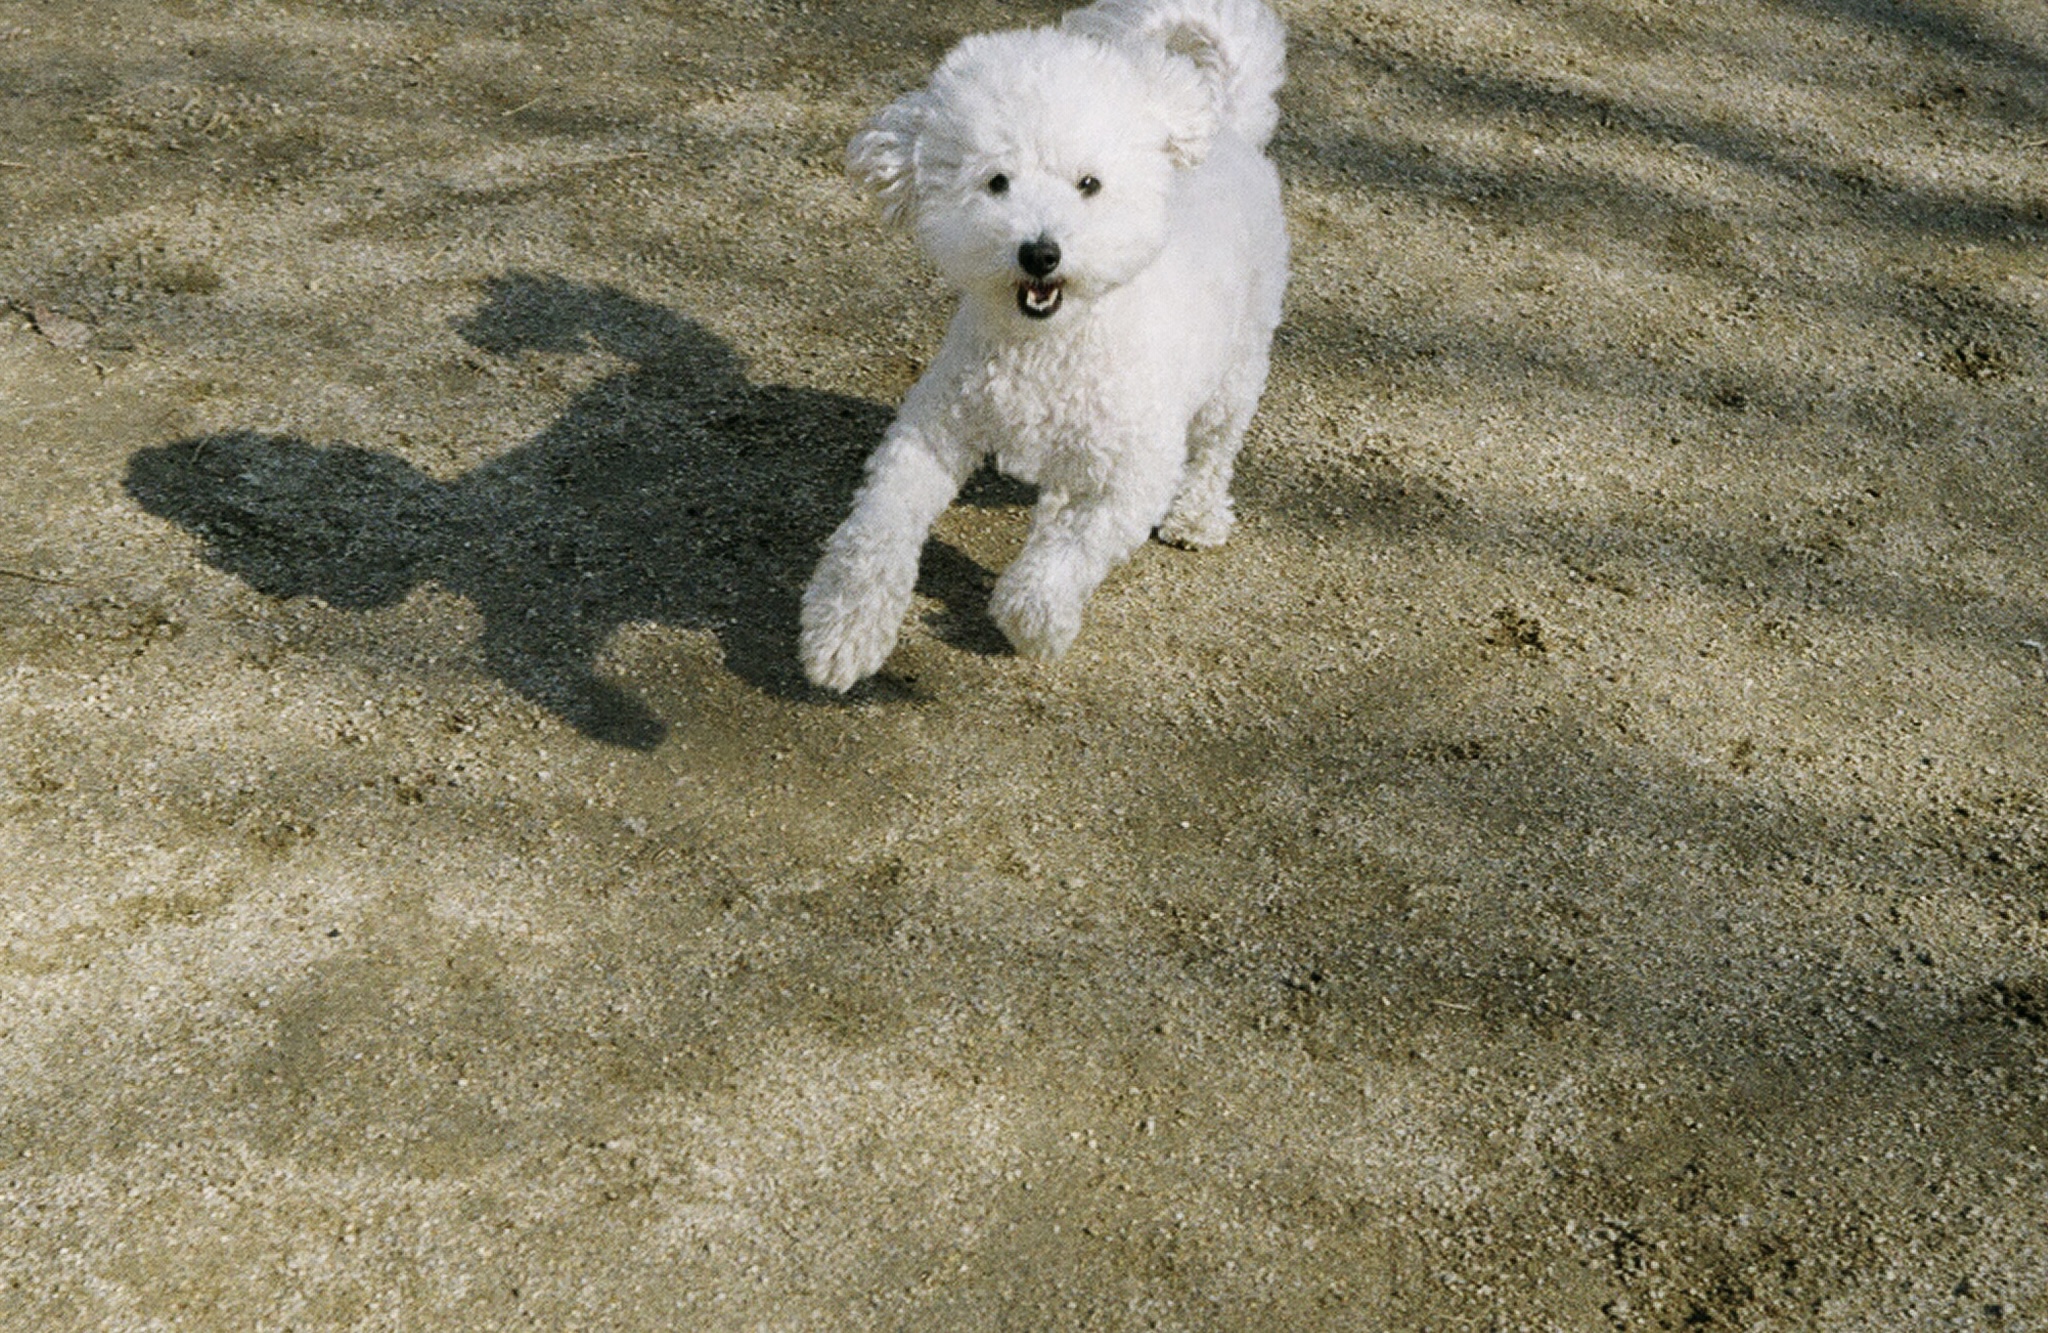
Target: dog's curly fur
<point x="1099" y="195"/>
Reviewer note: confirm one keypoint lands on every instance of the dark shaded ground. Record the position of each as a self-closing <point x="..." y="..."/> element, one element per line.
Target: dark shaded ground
<point x="674" y="492"/>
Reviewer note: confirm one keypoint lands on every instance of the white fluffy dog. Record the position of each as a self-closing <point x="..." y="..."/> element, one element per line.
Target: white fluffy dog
<point x="1099" y="195"/>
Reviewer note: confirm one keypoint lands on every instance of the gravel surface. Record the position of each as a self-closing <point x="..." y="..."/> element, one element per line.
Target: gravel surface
<point x="1577" y="859"/>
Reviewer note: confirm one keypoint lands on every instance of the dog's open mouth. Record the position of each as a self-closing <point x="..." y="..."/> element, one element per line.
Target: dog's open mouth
<point x="1038" y="299"/>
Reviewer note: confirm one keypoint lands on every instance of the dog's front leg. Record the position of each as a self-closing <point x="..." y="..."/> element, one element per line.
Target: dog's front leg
<point x="856" y="601"/>
<point x="1072" y="547"/>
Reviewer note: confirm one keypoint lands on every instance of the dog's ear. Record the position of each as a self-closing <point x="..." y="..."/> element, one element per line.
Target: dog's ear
<point x="882" y="159"/>
<point x="1187" y="103"/>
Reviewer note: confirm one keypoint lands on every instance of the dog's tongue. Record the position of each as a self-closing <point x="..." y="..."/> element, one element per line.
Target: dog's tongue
<point x="1038" y="299"/>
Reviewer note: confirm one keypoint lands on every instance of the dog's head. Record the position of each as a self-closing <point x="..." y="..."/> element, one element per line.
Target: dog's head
<point x="1034" y="168"/>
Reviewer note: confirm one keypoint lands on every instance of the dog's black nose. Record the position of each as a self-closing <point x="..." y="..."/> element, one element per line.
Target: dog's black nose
<point x="1039" y="258"/>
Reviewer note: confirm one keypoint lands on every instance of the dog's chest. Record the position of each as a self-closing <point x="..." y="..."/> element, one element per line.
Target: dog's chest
<point x="1041" y="409"/>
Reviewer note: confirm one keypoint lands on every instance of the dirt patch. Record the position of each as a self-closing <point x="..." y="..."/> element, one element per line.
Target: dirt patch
<point x="1575" y="860"/>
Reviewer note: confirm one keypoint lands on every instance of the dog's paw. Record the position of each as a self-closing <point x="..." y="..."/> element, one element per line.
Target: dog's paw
<point x="841" y="655"/>
<point x="1039" y="622"/>
<point x="1198" y="528"/>
<point x="844" y="639"/>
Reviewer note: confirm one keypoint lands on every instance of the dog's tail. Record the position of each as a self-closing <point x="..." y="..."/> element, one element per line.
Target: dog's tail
<point x="1238" y="45"/>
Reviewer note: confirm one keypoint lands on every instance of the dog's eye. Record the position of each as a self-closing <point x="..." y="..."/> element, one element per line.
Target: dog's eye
<point x="1089" y="187"/>
<point x="999" y="184"/>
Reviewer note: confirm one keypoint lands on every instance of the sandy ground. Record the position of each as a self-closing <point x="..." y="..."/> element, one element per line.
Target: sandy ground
<point x="1578" y="859"/>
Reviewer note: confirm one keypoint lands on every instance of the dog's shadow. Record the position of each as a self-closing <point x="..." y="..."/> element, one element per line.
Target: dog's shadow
<point x="675" y="491"/>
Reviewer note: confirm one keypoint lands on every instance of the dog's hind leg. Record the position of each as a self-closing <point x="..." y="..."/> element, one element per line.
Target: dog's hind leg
<point x="1201" y="515"/>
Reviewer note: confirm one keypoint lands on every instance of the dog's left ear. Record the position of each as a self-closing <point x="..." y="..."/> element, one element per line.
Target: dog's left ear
<point x="882" y="159"/>
<point x="1187" y="103"/>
